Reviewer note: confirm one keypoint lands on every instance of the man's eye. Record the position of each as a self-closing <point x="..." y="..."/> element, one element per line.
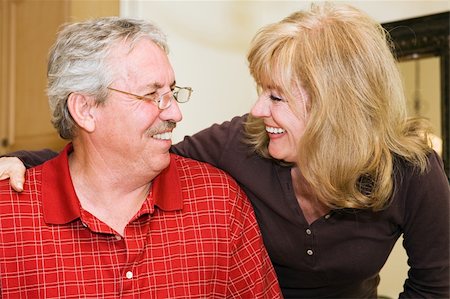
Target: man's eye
<point x="150" y="96"/>
<point x="276" y="99"/>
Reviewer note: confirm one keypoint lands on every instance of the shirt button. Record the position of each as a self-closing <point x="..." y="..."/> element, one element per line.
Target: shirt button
<point x="84" y="224"/>
<point x="309" y="252"/>
<point x="129" y="275"/>
<point x="118" y="238"/>
<point x="327" y="216"/>
<point x="308" y="231"/>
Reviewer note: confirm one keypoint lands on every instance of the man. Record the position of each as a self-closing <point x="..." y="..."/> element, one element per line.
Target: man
<point x="114" y="214"/>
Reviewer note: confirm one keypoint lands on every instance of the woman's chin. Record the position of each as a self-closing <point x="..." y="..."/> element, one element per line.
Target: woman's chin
<point x="282" y="156"/>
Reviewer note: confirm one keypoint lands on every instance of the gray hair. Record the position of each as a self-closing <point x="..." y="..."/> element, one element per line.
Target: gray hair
<point x="78" y="61"/>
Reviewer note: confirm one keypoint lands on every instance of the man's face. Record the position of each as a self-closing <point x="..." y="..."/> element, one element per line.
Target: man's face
<point x="138" y="129"/>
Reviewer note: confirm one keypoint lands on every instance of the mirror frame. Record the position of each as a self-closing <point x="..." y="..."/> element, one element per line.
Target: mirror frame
<point x="421" y="37"/>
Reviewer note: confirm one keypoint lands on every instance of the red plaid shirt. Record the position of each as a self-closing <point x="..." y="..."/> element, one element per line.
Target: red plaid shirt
<point x="195" y="236"/>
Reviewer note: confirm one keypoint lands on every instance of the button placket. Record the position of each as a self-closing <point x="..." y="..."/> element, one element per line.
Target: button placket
<point x="128" y="282"/>
<point x="309" y="250"/>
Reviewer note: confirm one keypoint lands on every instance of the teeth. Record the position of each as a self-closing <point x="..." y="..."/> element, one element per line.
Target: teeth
<point x="163" y="136"/>
<point x="274" y="130"/>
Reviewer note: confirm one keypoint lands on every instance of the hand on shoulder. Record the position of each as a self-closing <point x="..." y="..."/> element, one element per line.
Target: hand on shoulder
<point x="13" y="168"/>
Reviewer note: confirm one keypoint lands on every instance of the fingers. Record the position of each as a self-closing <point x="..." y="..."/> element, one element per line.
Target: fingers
<point x="13" y="168"/>
<point x="16" y="184"/>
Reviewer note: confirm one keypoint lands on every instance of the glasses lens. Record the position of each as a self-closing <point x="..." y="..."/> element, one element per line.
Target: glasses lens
<point x="165" y="101"/>
<point x="182" y="95"/>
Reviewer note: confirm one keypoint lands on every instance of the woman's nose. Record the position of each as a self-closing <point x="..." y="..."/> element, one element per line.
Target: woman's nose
<point x="261" y="108"/>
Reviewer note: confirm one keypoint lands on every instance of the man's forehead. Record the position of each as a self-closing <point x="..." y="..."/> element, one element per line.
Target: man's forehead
<point x="146" y="63"/>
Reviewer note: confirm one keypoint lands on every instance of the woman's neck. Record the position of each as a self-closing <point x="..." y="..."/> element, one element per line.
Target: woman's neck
<point x="310" y="206"/>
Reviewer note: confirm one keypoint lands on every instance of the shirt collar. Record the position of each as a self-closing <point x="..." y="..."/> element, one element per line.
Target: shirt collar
<point x="166" y="188"/>
<point x="60" y="202"/>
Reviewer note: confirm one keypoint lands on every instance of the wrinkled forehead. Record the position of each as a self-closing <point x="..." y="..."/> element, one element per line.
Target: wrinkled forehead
<point x="143" y="59"/>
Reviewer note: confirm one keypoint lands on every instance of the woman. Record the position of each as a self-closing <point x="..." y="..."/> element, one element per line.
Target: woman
<point x="335" y="170"/>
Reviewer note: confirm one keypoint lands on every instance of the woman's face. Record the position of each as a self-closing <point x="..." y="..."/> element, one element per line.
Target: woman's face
<point x="284" y="120"/>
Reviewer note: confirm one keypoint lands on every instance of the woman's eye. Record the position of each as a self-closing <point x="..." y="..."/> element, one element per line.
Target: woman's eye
<point x="276" y="99"/>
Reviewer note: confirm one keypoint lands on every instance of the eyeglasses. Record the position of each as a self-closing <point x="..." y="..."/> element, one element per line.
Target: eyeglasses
<point x="180" y="94"/>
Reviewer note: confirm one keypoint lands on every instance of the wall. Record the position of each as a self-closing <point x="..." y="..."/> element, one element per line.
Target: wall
<point x="422" y="88"/>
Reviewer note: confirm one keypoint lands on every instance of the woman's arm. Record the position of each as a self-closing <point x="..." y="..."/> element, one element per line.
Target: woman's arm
<point x="426" y="233"/>
<point x="210" y="145"/>
<point x="33" y="158"/>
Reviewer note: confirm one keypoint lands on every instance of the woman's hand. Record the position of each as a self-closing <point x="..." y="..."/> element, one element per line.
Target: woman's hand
<point x="13" y="168"/>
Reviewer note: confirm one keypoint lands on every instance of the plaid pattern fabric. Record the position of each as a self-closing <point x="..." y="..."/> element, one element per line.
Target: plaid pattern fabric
<point x="194" y="237"/>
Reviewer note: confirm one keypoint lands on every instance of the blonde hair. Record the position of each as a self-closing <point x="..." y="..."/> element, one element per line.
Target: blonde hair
<point x="357" y="120"/>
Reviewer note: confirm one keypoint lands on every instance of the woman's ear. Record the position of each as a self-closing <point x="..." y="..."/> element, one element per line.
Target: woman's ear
<point x="81" y="109"/>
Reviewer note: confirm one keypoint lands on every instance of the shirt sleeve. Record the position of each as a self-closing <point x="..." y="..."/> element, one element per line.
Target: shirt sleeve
<point x="251" y="272"/>
<point x="210" y="144"/>
<point x="426" y="233"/>
<point x="33" y="158"/>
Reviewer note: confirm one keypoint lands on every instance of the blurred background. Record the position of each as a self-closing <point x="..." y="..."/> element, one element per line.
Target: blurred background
<point x="208" y="44"/>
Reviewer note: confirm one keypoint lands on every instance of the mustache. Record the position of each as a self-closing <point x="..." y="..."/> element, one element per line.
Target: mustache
<point x="163" y="127"/>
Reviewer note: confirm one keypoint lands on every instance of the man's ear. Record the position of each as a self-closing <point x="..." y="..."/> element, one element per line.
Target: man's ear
<point x="81" y="109"/>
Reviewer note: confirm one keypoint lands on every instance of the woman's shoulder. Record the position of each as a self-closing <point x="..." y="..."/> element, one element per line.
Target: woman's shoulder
<point x="416" y="186"/>
<point x="434" y="167"/>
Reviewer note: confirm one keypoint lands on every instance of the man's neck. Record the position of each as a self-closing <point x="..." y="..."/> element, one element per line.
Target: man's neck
<point x="107" y="191"/>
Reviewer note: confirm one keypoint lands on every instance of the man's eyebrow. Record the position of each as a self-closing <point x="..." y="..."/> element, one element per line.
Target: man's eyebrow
<point x="154" y="85"/>
<point x="157" y="85"/>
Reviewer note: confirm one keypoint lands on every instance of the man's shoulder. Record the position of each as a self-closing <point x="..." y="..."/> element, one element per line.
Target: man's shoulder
<point x="191" y="165"/>
<point x="14" y="204"/>
<point x="206" y="187"/>
<point x="189" y="168"/>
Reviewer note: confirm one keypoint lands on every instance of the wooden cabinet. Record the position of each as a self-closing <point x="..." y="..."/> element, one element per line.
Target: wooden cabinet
<point x="27" y="30"/>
